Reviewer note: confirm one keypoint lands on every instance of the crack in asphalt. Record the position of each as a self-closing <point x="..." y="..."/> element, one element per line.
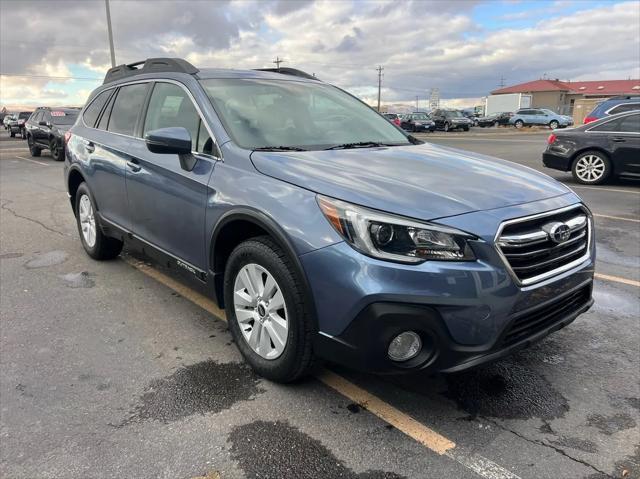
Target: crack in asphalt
<point x="17" y="215"/>
<point x="544" y="444"/>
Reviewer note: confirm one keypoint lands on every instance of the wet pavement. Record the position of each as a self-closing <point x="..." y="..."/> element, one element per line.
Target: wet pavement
<point x="105" y="372"/>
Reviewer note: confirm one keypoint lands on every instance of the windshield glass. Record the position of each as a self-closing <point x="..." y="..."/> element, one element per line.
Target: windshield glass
<point x="420" y="117"/>
<point x="63" y="118"/>
<point x="276" y="113"/>
<point x="454" y="114"/>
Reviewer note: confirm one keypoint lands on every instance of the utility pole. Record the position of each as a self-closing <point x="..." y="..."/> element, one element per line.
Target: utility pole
<point x="113" y="53"/>
<point x="417" y="102"/>
<point x="502" y="84"/>
<point x="278" y="61"/>
<point x="379" y="69"/>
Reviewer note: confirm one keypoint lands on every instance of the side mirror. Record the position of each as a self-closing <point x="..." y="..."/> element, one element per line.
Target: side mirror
<point x="174" y="140"/>
<point x="43" y="123"/>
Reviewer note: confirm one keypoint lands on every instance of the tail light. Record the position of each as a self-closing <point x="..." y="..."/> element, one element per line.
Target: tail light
<point x="589" y="119"/>
<point x="67" y="137"/>
<point x="552" y="139"/>
<point x="397" y="121"/>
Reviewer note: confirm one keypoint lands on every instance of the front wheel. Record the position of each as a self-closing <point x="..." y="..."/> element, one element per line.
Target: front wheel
<point x="57" y="151"/>
<point x="97" y="245"/>
<point x="553" y="124"/>
<point x="519" y="124"/>
<point x="465" y="128"/>
<point x="267" y="311"/>
<point x="446" y="127"/>
<point x="591" y="168"/>
<point x="33" y="149"/>
<point x="12" y="134"/>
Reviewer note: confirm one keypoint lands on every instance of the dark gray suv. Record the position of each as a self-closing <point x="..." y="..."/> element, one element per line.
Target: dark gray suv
<point x="322" y="229"/>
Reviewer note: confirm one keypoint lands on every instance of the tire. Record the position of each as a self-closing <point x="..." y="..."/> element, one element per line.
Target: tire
<point x="12" y="134"/>
<point x="102" y="247"/>
<point x="446" y="126"/>
<point x="465" y="128"/>
<point x="553" y="124"/>
<point x="519" y="124"/>
<point x="496" y="124"/>
<point x="599" y="172"/>
<point x="33" y="149"/>
<point x="261" y="258"/>
<point x="57" y="152"/>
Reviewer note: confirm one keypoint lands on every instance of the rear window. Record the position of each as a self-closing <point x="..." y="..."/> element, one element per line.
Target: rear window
<point x="126" y="109"/>
<point x="24" y="115"/>
<point x="63" y="117"/>
<point x="624" y="107"/>
<point x="91" y="113"/>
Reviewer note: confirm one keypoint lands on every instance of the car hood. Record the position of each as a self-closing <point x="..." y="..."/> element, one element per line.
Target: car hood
<point x="419" y="181"/>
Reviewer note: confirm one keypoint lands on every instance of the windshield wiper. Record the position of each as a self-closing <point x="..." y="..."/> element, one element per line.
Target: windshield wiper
<point x="279" y="148"/>
<point x="361" y="144"/>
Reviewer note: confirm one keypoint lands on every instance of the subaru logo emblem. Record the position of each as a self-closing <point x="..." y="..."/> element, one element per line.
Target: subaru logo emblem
<point x="558" y="232"/>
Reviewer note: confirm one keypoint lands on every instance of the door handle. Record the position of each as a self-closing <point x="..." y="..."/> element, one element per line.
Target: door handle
<point x="134" y="166"/>
<point x="90" y="147"/>
<point x="618" y="139"/>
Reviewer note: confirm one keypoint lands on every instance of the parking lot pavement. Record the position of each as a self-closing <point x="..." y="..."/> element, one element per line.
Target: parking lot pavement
<point x="121" y="369"/>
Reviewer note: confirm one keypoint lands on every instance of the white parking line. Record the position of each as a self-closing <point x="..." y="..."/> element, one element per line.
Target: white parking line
<point x="32" y="161"/>
<point x="619" y="218"/>
<point x="376" y="406"/>
<point x="598" y="188"/>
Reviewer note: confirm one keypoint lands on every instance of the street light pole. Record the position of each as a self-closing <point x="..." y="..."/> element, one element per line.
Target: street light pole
<point x="113" y="53"/>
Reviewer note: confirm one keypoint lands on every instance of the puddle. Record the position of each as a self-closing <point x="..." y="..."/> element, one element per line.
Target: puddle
<point x="272" y="450"/>
<point x="611" y="424"/>
<point x="506" y="390"/>
<point x="10" y="255"/>
<point x="78" y="280"/>
<point x="43" y="260"/>
<point x="206" y="387"/>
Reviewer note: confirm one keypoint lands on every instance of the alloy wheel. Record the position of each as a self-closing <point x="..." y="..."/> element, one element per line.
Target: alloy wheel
<point x="261" y="311"/>
<point x="87" y="221"/>
<point x="590" y="168"/>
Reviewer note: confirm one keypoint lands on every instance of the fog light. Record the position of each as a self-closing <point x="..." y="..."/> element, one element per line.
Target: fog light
<point x="405" y="346"/>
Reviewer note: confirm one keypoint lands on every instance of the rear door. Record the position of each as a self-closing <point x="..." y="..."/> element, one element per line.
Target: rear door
<point x="168" y="203"/>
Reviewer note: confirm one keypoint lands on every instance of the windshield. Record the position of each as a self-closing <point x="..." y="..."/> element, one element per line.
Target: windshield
<point x="420" y="117"/>
<point x="63" y="118"/>
<point x="277" y="113"/>
<point x="454" y="114"/>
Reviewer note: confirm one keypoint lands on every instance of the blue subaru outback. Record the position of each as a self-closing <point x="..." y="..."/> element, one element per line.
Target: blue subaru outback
<point x="323" y="230"/>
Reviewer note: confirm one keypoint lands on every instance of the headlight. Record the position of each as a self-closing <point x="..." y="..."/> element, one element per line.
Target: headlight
<point x="395" y="238"/>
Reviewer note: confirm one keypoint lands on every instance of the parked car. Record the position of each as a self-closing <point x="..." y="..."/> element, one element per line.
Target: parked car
<point x="6" y="121"/>
<point x="393" y="118"/>
<point x="16" y="127"/>
<point x="495" y="119"/>
<point x="322" y="230"/>
<point x="46" y="129"/>
<point x="539" y="116"/>
<point x="611" y="106"/>
<point x="447" y="120"/>
<point x="598" y="151"/>
<point x="417" y="122"/>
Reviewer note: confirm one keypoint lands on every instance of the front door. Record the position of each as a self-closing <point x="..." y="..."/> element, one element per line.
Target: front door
<point x="625" y="145"/>
<point x="166" y="202"/>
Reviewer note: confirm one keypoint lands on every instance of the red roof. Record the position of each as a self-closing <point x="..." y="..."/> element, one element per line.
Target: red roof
<point x="604" y="87"/>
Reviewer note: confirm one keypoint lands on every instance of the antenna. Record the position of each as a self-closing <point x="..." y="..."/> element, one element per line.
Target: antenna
<point x="278" y="61"/>
<point x="379" y="69"/>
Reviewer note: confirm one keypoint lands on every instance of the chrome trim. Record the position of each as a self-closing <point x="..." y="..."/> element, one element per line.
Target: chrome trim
<point x="608" y="112"/>
<point x="158" y="80"/>
<point x="540" y="251"/>
<point x="549" y="274"/>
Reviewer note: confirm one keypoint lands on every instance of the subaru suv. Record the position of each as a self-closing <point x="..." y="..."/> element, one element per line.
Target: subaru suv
<point x="324" y="231"/>
<point x="613" y="106"/>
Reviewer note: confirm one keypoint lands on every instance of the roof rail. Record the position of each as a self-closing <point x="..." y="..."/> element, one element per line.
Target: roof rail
<point x="288" y="71"/>
<point x="150" y="65"/>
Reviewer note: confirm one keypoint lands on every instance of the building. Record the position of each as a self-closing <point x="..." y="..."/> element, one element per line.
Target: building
<point x="571" y="98"/>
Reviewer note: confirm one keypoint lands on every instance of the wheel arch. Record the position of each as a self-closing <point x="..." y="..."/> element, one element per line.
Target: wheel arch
<point x="241" y="224"/>
<point x="74" y="180"/>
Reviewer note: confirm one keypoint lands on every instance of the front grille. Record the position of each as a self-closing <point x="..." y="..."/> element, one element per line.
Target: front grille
<point x="532" y="253"/>
<point x="531" y="323"/>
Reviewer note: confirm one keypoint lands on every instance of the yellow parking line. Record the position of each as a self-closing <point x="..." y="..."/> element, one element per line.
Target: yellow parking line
<point x="617" y="279"/>
<point x="383" y="410"/>
<point x="619" y="218"/>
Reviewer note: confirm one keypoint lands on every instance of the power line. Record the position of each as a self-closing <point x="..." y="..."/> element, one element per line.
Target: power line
<point x="379" y="69"/>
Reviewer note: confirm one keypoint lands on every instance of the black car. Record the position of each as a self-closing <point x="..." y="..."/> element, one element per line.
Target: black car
<point x="17" y="127"/>
<point x="450" y="120"/>
<point x="495" y="119"/>
<point x="46" y="129"/>
<point x="417" y="122"/>
<point x="597" y="151"/>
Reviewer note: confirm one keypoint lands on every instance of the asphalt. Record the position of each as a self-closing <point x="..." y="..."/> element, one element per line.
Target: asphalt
<point x="107" y="373"/>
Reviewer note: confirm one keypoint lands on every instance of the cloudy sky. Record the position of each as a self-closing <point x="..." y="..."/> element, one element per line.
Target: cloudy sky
<point x="55" y="52"/>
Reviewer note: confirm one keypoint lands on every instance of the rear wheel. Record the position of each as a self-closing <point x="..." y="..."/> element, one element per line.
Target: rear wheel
<point x="591" y="168"/>
<point x="12" y="134"/>
<point x="553" y="124"/>
<point x="465" y="128"/>
<point x="267" y="312"/>
<point x="95" y="242"/>
<point x="33" y="149"/>
<point x="519" y="124"/>
<point x="446" y="126"/>
<point x="57" y="152"/>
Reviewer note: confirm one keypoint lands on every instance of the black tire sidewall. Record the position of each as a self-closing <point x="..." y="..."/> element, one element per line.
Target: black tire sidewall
<point x="104" y="247"/>
<point x="33" y="149"/>
<point x="519" y="124"/>
<point x="603" y="178"/>
<point x="54" y="148"/>
<point x="283" y="368"/>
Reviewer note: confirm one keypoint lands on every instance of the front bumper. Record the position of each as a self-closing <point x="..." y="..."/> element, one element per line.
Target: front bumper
<point x="463" y="310"/>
